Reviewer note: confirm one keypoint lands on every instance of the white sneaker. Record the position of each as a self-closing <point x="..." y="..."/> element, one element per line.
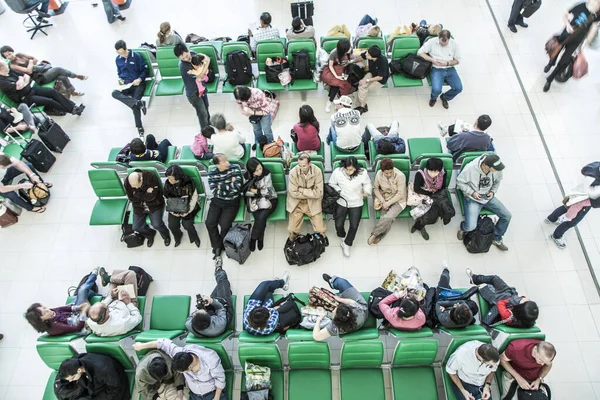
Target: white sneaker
<point x="445" y="265"/>
<point x="443" y="130"/>
<point x="286" y="280"/>
<point x="560" y="242"/>
<point x="328" y="107"/>
<point x="470" y="275"/>
<point x="345" y="249"/>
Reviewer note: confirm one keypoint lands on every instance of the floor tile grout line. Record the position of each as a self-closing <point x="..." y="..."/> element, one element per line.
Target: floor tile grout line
<point x="543" y="140"/>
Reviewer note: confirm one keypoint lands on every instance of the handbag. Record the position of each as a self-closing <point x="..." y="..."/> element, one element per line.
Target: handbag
<point x="285" y="77"/>
<point x="414" y="199"/>
<point x="553" y="47"/>
<point x="410" y="281"/>
<point x="320" y="297"/>
<point x="178" y="205"/>
<point x="580" y="66"/>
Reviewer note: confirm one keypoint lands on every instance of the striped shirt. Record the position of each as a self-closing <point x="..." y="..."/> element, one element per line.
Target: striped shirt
<point x="226" y="185"/>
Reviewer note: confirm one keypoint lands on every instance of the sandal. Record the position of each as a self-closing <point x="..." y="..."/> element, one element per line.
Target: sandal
<point x="77" y="93"/>
<point x="38" y="210"/>
<point x="48" y="184"/>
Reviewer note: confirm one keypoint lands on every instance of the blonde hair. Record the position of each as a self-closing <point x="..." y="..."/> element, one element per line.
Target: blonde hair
<point x="165" y="27"/>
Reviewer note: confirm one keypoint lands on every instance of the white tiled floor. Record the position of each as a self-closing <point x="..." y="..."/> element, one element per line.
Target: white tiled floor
<point x="45" y="254"/>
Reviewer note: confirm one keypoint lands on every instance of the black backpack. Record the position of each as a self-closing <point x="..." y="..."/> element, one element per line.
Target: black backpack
<point x="530" y="7"/>
<point x="528" y="394"/>
<point x="143" y="279"/>
<point x="355" y="73"/>
<point x="479" y="240"/>
<point x="289" y="312"/>
<point x="395" y="67"/>
<point x="592" y="170"/>
<point x="304" y="249"/>
<point x="301" y="66"/>
<point x="414" y="66"/>
<point x="330" y="198"/>
<point x="238" y="68"/>
<point x="375" y="297"/>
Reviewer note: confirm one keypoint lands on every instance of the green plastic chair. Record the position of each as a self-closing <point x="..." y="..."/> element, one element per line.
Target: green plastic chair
<point x="418" y="147"/>
<point x="151" y="77"/>
<point x="112" y="201"/>
<point x="404" y="166"/>
<point x="455" y="344"/>
<point x="303" y="84"/>
<point x="374" y="156"/>
<point x="53" y="354"/>
<point x="186" y="157"/>
<point x="111" y="162"/>
<point x="329" y="43"/>
<point x="211" y="52"/>
<point x="401" y="46"/>
<point x="266" y="50"/>
<point x="13" y="150"/>
<point x="278" y="178"/>
<point x="510" y="338"/>
<point x="365" y="208"/>
<point x="228" y="48"/>
<point x="160" y="166"/>
<point x="484" y="308"/>
<point x="246" y="337"/>
<point x="193" y="339"/>
<point x="361" y="376"/>
<point x="336" y="154"/>
<point x="460" y="195"/>
<point x="424" y="332"/>
<point x="364" y="42"/>
<point x="320" y="156"/>
<point x="310" y="374"/>
<point x="265" y="355"/>
<point x="171" y="82"/>
<point x="226" y="363"/>
<point x="413" y="376"/>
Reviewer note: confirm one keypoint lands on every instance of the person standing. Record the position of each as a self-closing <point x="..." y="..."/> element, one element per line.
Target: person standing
<point x="260" y="109"/>
<point x="516" y="18"/>
<point x="181" y="187"/>
<point x="444" y="54"/>
<point x="580" y="26"/>
<point x="189" y="75"/>
<point x="132" y="71"/>
<point x="144" y="191"/>
<point x="225" y="182"/>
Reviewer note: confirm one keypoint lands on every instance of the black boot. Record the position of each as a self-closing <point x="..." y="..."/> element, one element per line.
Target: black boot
<point x="252" y="244"/>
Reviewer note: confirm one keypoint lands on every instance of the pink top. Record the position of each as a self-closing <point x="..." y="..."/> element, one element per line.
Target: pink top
<point x="259" y="102"/>
<point x="200" y="84"/>
<point x="391" y="315"/>
<point x="200" y="145"/>
<point x="308" y="137"/>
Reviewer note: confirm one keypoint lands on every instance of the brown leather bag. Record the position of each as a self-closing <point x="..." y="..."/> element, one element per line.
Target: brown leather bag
<point x="553" y="47"/>
<point x="7" y="217"/>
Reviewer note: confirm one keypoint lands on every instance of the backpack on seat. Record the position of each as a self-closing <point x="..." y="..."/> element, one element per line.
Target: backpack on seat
<point x="304" y="249"/>
<point x="415" y="67"/>
<point x="301" y="65"/>
<point x="355" y="74"/>
<point x="479" y="240"/>
<point x="289" y="312"/>
<point x="375" y="298"/>
<point x="238" y="68"/>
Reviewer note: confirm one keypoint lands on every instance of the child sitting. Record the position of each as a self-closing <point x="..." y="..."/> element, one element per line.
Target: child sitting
<point x="200" y="145"/>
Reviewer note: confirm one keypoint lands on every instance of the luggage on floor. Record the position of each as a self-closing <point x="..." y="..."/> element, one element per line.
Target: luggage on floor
<point x="479" y="240"/>
<point x="53" y="136"/>
<point x="305" y="10"/>
<point x="128" y="235"/>
<point x="238" y="68"/>
<point x="109" y="10"/>
<point x="530" y="7"/>
<point x="7" y="217"/>
<point x="143" y="279"/>
<point x="237" y="242"/>
<point x="304" y="249"/>
<point x="415" y="67"/>
<point x="35" y="152"/>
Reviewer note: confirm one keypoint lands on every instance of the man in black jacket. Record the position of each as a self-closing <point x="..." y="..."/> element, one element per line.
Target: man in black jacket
<point x="91" y="376"/>
<point x="144" y="191"/>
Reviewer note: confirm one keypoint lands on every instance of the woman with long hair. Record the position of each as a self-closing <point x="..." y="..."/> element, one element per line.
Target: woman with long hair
<point x="333" y="75"/>
<point x="180" y="186"/>
<point x="166" y="36"/>
<point x="307" y="131"/>
<point x="261" y="198"/>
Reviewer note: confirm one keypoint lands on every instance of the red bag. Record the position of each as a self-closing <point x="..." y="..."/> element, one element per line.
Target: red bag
<point x="580" y="66"/>
<point x="320" y="297"/>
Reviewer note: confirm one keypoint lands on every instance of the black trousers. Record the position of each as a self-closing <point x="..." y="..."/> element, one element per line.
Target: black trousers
<point x="354" y="214"/>
<point x="131" y="98"/>
<point x="515" y="12"/>
<point x="260" y="221"/>
<point x="567" y="53"/>
<point x="188" y="224"/>
<point x="48" y="97"/>
<point x="221" y="214"/>
<point x="565" y="226"/>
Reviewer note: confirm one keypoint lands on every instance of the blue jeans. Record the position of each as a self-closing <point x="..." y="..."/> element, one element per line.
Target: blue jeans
<point x="475" y="391"/>
<point x="438" y="76"/>
<point x="200" y="104"/>
<point x="340" y="284"/>
<point x="156" y="219"/>
<point x="264" y="290"/>
<point x="473" y="208"/>
<point x="43" y="7"/>
<point x="85" y="290"/>
<point x="263" y="128"/>
<point x="209" y="396"/>
<point x="367" y="20"/>
<point x="565" y="226"/>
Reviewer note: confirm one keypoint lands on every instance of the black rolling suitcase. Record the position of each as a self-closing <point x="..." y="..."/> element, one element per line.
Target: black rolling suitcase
<point x="36" y="153"/>
<point x="305" y="10"/>
<point x="53" y="136"/>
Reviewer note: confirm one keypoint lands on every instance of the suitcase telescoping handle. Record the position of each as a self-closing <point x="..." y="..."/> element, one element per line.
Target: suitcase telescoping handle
<point x="13" y="138"/>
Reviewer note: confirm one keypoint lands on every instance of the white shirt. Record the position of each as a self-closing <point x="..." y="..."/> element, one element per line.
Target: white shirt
<point x="346" y="123"/>
<point x="464" y="363"/>
<point x="228" y="143"/>
<point x="351" y="189"/>
<point x="435" y="50"/>
<point x="121" y="319"/>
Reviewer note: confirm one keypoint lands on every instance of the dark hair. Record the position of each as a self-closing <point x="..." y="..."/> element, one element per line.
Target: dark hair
<point x="434" y="164"/>
<point x="158" y="368"/>
<point x="4" y="49"/>
<point x="216" y="160"/>
<point x="252" y="163"/>
<point x="307" y="116"/>
<point x="444" y="34"/>
<point x="265" y="18"/>
<point x="197" y="59"/>
<point x="342" y="47"/>
<point x="525" y="314"/>
<point x="461" y="314"/>
<point x="484" y="121"/>
<point x="201" y="320"/>
<point x="137" y="146"/>
<point x="258" y="317"/>
<point x="344" y="318"/>
<point x="5" y="160"/>
<point x="175" y="171"/>
<point x="487" y="352"/>
<point x="351" y="162"/>
<point x="408" y="308"/>
<point x="386" y="164"/>
<point x="242" y="93"/>
<point x="385" y="147"/>
<point x="182" y="361"/>
<point x="69" y="367"/>
<point x="120" y="44"/>
<point x="33" y="315"/>
<point x="374" y="51"/>
<point x="179" y="49"/>
<point x="296" y="23"/>
<point x="208" y="131"/>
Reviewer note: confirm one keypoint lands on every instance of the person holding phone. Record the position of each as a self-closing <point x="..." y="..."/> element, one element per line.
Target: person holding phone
<point x="471" y="368"/>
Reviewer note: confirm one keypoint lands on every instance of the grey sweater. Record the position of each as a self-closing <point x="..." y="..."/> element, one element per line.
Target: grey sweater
<point x="218" y="322"/>
<point x="468" y="141"/>
<point x="472" y="179"/>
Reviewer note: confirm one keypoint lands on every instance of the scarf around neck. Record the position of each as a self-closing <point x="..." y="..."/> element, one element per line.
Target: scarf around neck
<point x="433" y="184"/>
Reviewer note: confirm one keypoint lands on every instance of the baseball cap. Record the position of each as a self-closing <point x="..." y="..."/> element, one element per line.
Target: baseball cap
<point x="344" y="100"/>
<point x="492" y="160"/>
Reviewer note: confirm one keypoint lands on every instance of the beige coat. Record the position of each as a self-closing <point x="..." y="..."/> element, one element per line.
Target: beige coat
<point x="305" y="187"/>
<point x="390" y="189"/>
